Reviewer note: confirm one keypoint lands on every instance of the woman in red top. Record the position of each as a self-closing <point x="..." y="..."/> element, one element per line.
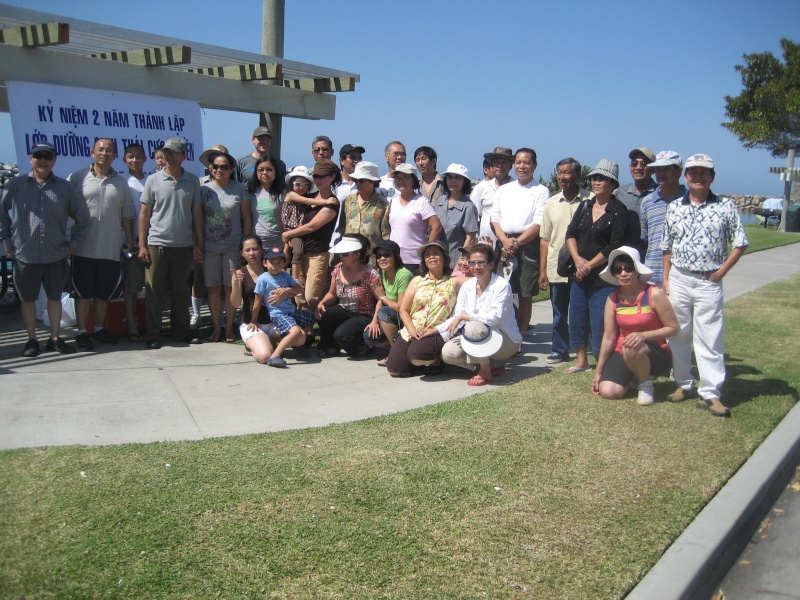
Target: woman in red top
<point x="638" y="318"/>
<point x="350" y="305"/>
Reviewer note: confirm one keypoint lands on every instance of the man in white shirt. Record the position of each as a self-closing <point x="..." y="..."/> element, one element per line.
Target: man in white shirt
<point x="482" y="195"/>
<point x="395" y="154"/>
<point x="516" y="218"/>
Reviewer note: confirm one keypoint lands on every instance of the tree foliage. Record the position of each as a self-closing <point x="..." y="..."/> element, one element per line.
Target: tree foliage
<point x="767" y="112"/>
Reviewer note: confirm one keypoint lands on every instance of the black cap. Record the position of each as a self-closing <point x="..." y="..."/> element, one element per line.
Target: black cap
<point x="350" y="148"/>
<point x="43" y="147"/>
<point x="389" y="245"/>
<point x="270" y="253"/>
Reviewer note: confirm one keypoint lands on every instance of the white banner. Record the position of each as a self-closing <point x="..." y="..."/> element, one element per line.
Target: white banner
<point x="72" y="119"/>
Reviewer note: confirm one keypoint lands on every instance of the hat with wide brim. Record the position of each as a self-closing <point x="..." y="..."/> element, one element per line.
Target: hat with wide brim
<point x="645" y="273"/>
<point x="480" y="340"/>
<point x="437" y="244"/>
<point x="500" y="152"/>
<point x="206" y="155"/>
<point x="346" y="244"/>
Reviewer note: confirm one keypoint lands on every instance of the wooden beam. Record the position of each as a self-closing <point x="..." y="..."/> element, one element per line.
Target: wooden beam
<point x="150" y="57"/>
<point x="322" y="84"/>
<point x="248" y="72"/>
<point x="33" y="36"/>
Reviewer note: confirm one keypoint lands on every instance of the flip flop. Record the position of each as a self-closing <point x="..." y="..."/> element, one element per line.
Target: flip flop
<point x="382" y="362"/>
<point x="247" y="351"/>
<point x="573" y="370"/>
<point x="214" y="337"/>
<point x="477" y="380"/>
<point x="230" y="338"/>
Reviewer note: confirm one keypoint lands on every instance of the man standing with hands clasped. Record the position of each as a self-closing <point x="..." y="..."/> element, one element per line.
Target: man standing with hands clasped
<point x="171" y="234"/>
<point x="697" y="231"/>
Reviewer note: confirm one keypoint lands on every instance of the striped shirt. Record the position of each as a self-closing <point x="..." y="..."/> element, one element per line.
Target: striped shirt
<point x="34" y="218"/>
<point x="653" y="213"/>
<point x="698" y="236"/>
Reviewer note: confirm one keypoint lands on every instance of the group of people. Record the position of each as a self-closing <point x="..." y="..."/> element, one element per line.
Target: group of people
<point x="371" y="258"/>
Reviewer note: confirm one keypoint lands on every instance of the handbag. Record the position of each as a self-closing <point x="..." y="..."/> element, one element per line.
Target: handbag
<point x="566" y="265"/>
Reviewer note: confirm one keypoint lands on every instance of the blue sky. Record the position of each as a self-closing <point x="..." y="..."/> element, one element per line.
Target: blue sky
<point x="465" y="76"/>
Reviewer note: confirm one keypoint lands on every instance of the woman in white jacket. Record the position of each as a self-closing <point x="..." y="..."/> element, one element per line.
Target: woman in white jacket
<point x="483" y="328"/>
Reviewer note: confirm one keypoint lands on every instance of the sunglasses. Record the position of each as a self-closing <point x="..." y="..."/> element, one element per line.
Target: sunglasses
<point x="477" y="263"/>
<point x="620" y="268"/>
<point x="322" y="176"/>
<point x="219" y="167"/>
<point x="346" y="253"/>
<point x="384" y="254"/>
<point x="44" y="155"/>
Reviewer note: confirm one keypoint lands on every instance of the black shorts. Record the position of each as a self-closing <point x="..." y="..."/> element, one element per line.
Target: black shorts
<point x="616" y="371"/>
<point x="96" y="278"/>
<point x="29" y="278"/>
<point x="525" y="278"/>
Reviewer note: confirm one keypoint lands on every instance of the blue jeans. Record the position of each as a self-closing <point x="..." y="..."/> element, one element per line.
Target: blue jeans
<point x="388" y="315"/>
<point x="559" y="298"/>
<point x="586" y="306"/>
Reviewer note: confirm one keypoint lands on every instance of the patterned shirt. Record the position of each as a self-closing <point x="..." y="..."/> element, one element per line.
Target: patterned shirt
<point x="34" y="218"/>
<point x="434" y="301"/>
<point x="653" y="213"/>
<point x="357" y="297"/>
<point x="698" y="236"/>
<point x="371" y="219"/>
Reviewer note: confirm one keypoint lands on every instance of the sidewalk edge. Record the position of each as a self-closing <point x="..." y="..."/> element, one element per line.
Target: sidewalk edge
<point x="699" y="559"/>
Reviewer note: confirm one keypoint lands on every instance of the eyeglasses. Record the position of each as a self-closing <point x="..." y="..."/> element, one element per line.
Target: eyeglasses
<point x="620" y="268"/>
<point x="219" y="167"/>
<point x="383" y="255"/>
<point x="321" y="150"/>
<point x="478" y="263"/>
<point x="265" y="170"/>
<point x="301" y="183"/>
<point x="44" y="156"/>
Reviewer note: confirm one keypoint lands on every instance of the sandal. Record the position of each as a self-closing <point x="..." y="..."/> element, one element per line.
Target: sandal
<point x="214" y="337"/>
<point x="477" y="380"/>
<point x="247" y="351"/>
<point x="229" y="337"/>
<point x="135" y="337"/>
<point x="574" y="369"/>
<point x="382" y="362"/>
<point x="153" y="344"/>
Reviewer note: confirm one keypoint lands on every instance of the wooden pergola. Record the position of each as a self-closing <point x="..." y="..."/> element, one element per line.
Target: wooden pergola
<point x="41" y="47"/>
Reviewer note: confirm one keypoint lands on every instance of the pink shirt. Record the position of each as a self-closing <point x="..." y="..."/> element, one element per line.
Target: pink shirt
<point x="408" y="226"/>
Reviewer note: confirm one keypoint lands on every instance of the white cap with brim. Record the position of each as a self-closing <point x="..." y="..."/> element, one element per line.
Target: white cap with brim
<point x="346" y="244"/>
<point x="480" y="340"/>
<point x="645" y="273"/>
<point x="700" y="160"/>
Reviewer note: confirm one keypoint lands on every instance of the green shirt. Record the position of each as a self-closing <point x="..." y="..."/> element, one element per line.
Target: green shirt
<point x="401" y="280"/>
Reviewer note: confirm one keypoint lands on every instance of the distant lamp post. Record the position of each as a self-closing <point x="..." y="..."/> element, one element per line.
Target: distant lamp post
<point x="788" y="174"/>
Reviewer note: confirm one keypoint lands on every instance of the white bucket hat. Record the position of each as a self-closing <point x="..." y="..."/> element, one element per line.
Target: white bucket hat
<point x="480" y="340"/>
<point x="300" y="171"/>
<point x="346" y="244"/>
<point x="457" y="169"/>
<point x="406" y="168"/>
<point x="645" y="273"/>
<point x="366" y="170"/>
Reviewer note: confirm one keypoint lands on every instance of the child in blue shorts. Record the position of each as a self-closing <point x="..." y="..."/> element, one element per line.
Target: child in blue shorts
<point x="275" y="289"/>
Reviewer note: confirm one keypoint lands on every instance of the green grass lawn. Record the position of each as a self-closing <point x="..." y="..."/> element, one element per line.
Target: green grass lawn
<point x="536" y="490"/>
<point x="762" y="238"/>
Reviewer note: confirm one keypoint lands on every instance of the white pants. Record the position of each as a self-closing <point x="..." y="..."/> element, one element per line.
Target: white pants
<point x="454" y="354"/>
<point x="698" y="306"/>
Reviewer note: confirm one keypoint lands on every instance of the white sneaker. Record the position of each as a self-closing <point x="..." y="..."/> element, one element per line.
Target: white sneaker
<point x="194" y="321"/>
<point x="645" y="393"/>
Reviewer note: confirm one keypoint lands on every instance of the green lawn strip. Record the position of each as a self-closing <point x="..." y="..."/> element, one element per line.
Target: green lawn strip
<point x="761" y="238"/>
<point x="537" y="489"/>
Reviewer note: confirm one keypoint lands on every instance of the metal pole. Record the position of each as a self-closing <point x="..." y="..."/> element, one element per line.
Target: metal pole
<point x="787" y="189"/>
<point x="272" y="45"/>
